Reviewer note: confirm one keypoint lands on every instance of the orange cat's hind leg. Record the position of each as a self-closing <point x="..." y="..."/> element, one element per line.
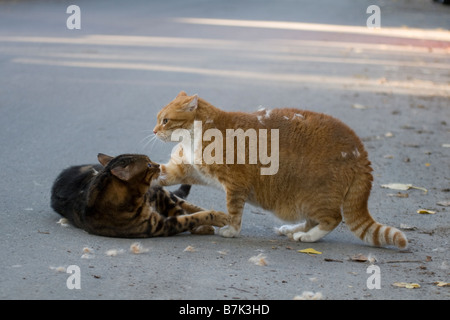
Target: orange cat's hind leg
<point x="319" y="225"/>
<point x="290" y="229"/>
<point x="327" y="221"/>
<point x="311" y="236"/>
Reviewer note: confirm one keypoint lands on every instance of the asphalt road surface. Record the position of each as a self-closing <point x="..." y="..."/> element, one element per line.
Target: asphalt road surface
<point x="68" y="94"/>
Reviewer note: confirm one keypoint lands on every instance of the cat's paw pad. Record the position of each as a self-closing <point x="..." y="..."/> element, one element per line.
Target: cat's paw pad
<point x="229" y="232"/>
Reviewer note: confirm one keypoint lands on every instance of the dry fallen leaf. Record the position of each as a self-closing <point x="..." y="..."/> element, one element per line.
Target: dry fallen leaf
<point x="359" y="258"/>
<point x="63" y="222"/>
<point x="362" y="258"/>
<point x="310" y="251"/>
<point x="402" y="186"/>
<point x="398" y="195"/>
<point x="88" y="253"/>
<point x="444" y="203"/>
<point x="309" y="295"/>
<point x="442" y="284"/>
<point x="259" y="260"/>
<point x="114" y="252"/>
<point x="58" y="269"/>
<point x="137" y="248"/>
<point x="407" y="227"/>
<point x="406" y="285"/>
<point x="359" y="106"/>
<point x="189" y="249"/>
<point x="426" y="211"/>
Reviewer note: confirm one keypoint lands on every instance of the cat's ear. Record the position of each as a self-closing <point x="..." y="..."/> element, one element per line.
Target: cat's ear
<point x="123" y="173"/>
<point x="193" y="104"/>
<point x="104" y="159"/>
<point x="181" y="94"/>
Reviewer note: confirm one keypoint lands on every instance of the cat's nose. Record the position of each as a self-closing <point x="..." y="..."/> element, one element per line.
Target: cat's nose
<point x="154" y="131"/>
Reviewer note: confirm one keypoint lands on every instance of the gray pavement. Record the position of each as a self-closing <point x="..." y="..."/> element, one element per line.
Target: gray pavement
<point x="66" y="95"/>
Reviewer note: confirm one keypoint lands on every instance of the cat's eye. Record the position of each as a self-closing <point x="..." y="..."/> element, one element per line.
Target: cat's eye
<point x="149" y="165"/>
<point x="165" y="120"/>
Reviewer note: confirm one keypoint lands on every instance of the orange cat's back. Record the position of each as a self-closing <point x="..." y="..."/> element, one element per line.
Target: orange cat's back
<point x="318" y="156"/>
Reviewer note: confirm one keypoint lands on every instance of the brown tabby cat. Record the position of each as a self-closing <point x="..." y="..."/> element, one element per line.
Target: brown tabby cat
<point x="323" y="175"/>
<point x="115" y="199"/>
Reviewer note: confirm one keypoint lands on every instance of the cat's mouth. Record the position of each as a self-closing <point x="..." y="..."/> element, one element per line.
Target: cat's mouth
<point x="163" y="137"/>
<point x="153" y="177"/>
<point x="154" y="170"/>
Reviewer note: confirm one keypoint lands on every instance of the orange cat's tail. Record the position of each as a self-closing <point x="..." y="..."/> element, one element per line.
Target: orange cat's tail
<point x="361" y="223"/>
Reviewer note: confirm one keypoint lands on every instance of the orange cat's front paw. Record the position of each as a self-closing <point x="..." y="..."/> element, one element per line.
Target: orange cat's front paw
<point x="229" y="231"/>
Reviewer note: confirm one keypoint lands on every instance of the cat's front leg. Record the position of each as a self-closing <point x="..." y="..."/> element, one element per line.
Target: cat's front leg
<point x="192" y="208"/>
<point x="235" y="206"/>
<point x="197" y="222"/>
<point x="177" y="171"/>
<point x="189" y="207"/>
<point x="173" y="173"/>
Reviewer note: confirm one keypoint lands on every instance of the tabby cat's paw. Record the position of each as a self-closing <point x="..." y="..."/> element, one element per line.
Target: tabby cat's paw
<point x="229" y="232"/>
<point x="208" y="230"/>
<point x="221" y="219"/>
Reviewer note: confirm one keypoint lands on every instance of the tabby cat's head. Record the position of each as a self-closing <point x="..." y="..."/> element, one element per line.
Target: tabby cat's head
<point x="122" y="176"/>
<point x="133" y="168"/>
<point x="178" y="114"/>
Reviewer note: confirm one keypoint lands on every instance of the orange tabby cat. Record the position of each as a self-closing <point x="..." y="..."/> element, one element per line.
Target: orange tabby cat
<point x="319" y="170"/>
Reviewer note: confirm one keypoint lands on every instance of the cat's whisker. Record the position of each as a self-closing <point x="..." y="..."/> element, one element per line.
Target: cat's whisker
<point x="146" y="137"/>
<point x="151" y="138"/>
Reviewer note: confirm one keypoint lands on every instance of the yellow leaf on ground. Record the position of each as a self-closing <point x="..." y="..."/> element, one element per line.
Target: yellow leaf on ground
<point x="426" y="211"/>
<point x="406" y="285"/>
<point x="310" y="251"/>
<point x="402" y="186"/>
<point x="442" y="284"/>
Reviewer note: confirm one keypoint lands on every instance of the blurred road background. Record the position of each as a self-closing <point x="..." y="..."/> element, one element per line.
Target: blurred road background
<point x="66" y="95"/>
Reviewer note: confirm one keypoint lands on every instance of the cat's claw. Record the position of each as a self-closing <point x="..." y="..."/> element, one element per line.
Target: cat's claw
<point x="229" y="232"/>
